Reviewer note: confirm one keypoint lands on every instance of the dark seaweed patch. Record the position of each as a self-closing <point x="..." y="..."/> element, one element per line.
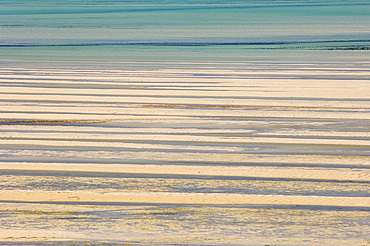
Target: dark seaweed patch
<point x="50" y="122"/>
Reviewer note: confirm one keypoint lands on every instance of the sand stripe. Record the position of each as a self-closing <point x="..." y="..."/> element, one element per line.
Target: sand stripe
<point x="13" y="128"/>
<point x="227" y="103"/>
<point x="159" y="113"/>
<point x="343" y="174"/>
<point x="153" y="100"/>
<point x="38" y="138"/>
<point x="184" y="157"/>
<point x="181" y="198"/>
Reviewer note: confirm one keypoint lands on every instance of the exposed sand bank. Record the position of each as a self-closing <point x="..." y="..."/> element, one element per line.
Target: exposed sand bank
<point x="181" y="198"/>
<point x="254" y="154"/>
<point x="343" y="174"/>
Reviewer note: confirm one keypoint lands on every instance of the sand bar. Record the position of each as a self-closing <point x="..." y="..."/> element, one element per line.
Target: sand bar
<point x="181" y="198"/>
<point x="342" y="174"/>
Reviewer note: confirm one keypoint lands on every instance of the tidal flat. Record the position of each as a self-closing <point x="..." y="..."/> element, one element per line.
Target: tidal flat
<point x="184" y="123"/>
<point x="287" y="170"/>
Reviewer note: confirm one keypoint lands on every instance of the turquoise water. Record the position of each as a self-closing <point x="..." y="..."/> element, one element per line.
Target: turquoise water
<point x="177" y="30"/>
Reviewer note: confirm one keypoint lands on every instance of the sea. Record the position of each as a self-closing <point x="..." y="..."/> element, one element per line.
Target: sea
<point x="87" y="32"/>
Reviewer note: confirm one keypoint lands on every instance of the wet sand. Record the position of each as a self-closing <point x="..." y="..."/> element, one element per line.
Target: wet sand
<point x="258" y="153"/>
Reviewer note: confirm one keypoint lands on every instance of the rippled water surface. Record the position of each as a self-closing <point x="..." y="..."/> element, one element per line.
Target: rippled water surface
<point x="177" y="30"/>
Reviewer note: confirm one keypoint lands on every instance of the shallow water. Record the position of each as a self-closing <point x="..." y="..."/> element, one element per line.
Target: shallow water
<point x="177" y="30"/>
